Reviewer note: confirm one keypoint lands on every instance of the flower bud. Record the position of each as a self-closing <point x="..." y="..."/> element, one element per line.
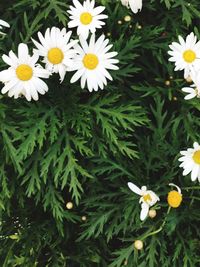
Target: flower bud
<point x="138" y="244"/>
<point x="152" y="214"/>
<point x="69" y="205"/>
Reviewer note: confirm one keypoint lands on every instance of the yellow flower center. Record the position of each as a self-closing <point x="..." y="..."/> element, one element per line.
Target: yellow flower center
<point x="86" y="18"/>
<point x="24" y="72"/>
<point x="189" y="56"/>
<point x="55" y="55"/>
<point x="147" y="198"/>
<point x="174" y="199"/>
<point x="90" y="61"/>
<point x="196" y="157"/>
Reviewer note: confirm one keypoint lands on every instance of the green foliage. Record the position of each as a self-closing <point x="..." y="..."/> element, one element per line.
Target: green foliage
<point x="81" y="147"/>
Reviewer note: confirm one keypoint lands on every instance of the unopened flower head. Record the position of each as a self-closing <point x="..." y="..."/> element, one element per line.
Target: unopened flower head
<point x="174" y="197"/>
<point x="138" y="244"/>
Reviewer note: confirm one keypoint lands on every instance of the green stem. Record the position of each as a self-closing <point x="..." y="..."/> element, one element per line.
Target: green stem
<point x="159" y="229"/>
<point x="8" y="255"/>
<point x="191" y="187"/>
<point x="193" y="197"/>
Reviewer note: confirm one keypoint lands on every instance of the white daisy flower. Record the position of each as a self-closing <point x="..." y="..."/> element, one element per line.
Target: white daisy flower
<point x="92" y="62"/>
<point x="135" y="5"/>
<point x="86" y="17"/>
<point x="147" y="200"/>
<point x="194" y="89"/>
<point x="3" y="24"/>
<point x="185" y="54"/>
<point x="23" y="75"/>
<point x="56" y="49"/>
<point x="191" y="161"/>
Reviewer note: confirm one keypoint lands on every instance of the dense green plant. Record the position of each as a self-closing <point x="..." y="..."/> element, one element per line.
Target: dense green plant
<point x="81" y="147"/>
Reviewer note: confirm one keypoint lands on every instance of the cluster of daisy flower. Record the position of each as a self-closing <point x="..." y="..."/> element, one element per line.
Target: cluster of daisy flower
<point x="186" y="56"/>
<point x="90" y="59"/>
<point x="148" y="198"/>
<point x="190" y="162"/>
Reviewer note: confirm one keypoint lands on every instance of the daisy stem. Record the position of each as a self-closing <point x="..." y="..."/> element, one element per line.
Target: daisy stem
<point x="193" y="197"/>
<point x="191" y="187"/>
<point x="159" y="229"/>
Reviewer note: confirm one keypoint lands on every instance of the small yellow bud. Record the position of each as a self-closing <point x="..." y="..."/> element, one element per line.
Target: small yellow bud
<point x="167" y="83"/>
<point x="127" y="18"/>
<point x="125" y="263"/>
<point x="174" y="199"/>
<point x="139" y="27"/>
<point x="152" y="214"/>
<point x="119" y="22"/>
<point x="84" y="218"/>
<point x="69" y="205"/>
<point x="138" y="244"/>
